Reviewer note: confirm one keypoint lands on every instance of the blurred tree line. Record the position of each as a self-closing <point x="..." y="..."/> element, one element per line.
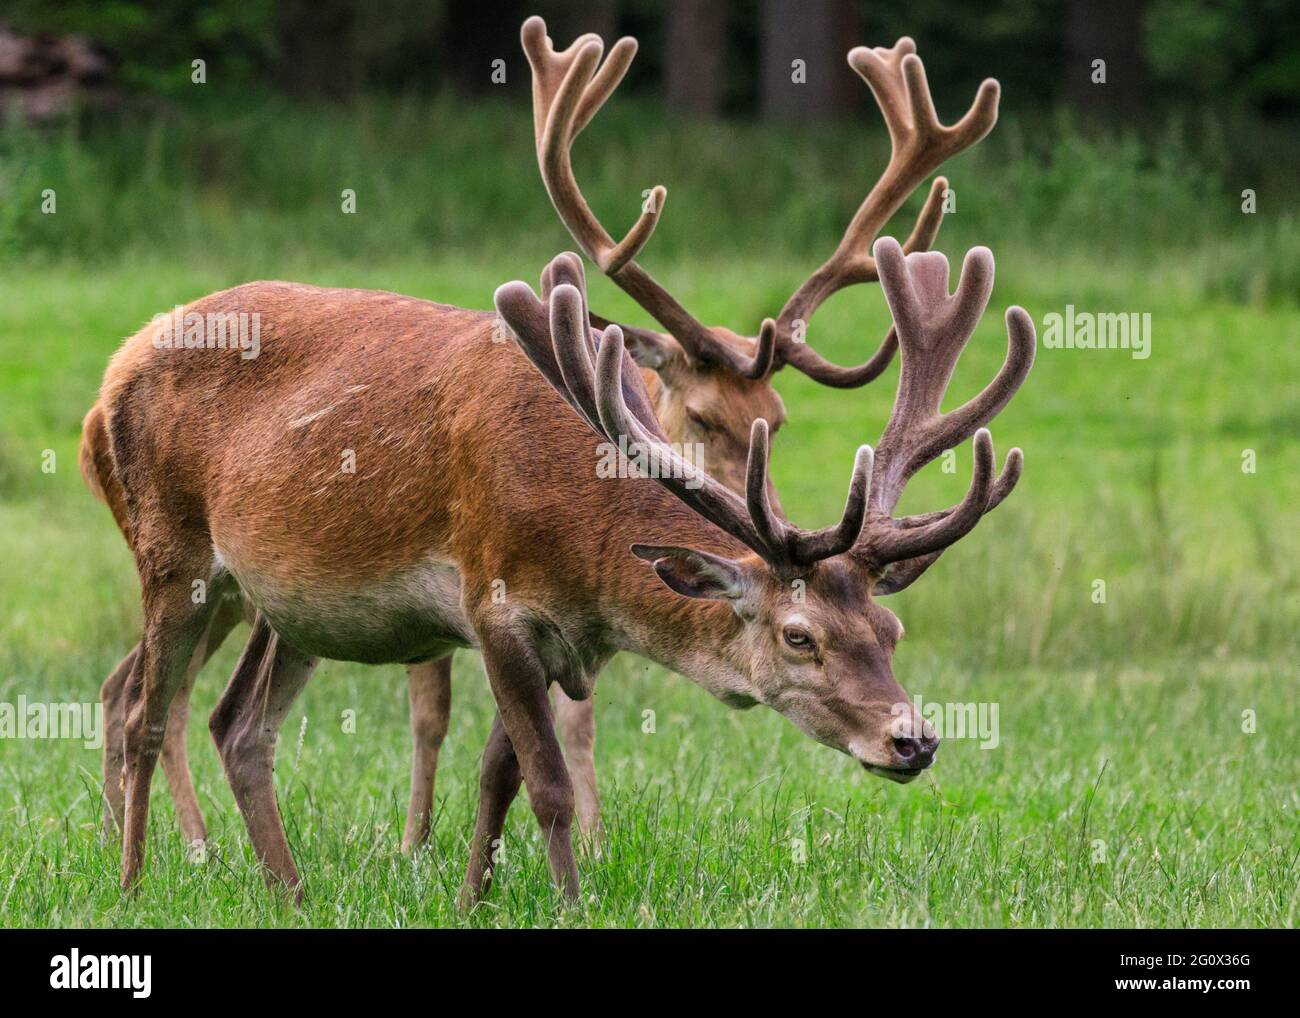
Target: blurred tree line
<point x="712" y="57"/>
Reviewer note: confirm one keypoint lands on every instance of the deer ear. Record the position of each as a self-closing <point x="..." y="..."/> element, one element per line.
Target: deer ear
<point x="901" y="575"/>
<point x="694" y="573"/>
<point x="652" y="350"/>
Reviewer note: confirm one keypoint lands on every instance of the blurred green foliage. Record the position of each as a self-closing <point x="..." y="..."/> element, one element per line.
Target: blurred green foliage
<point x="245" y="187"/>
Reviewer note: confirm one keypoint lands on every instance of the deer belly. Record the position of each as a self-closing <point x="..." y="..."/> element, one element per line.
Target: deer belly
<point x="414" y="616"/>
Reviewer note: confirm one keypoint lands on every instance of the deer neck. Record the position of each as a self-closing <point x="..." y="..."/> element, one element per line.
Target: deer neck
<point x="698" y="638"/>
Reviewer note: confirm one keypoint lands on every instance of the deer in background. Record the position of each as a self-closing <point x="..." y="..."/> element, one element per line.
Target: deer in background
<point x="474" y="465"/>
<point x="706" y="385"/>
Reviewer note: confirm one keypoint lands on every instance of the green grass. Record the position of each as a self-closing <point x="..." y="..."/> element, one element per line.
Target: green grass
<point x="1123" y="790"/>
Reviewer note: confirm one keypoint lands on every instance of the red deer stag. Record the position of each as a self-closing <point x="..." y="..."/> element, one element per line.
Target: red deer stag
<point x="707" y="385"/>
<point x="469" y="473"/>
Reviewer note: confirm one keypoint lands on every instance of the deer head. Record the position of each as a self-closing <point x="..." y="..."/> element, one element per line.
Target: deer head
<point x="805" y="627"/>
<point x="713" y="383"/>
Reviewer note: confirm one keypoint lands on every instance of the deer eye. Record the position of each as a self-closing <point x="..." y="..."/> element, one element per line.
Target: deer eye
<point x="701" y="423"/>
<point x="799" y="639"/>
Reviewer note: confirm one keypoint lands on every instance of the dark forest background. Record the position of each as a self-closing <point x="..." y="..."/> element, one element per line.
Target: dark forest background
<point x="711" y="57"/>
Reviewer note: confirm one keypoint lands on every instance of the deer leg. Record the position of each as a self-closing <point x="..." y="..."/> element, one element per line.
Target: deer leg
<point x="518" y="683"/>
<point x="429" y="684"/>
<point x="576" y="721"/>
<point x="173" y="627"/>
<point x="499" y="780"/>
<point x="175" y="758"/>
<point x="246" y="727"/>
<point x="112" y="694"/>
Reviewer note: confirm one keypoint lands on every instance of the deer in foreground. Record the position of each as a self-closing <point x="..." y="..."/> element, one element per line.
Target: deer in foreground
<point x="473" y="467"/>
<point x="706" y="385"/>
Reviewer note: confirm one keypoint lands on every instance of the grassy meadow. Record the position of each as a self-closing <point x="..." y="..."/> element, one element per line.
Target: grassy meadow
<point x="1145" y="772"/>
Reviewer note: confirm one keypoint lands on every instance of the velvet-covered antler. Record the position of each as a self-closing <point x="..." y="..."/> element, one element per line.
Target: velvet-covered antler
<point x="933" y="328"/>
<point x="919" y="144"/>
<point x="570" y="86"/>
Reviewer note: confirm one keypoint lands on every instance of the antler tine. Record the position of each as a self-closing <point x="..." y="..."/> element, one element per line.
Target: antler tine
<point x="919" y="144"/>
<point x="565" y="267"/>
<point x="905" y="572"/>
<point x="1008" y="479"/>
<point x="797" y="547"/>
<point x="893" y="543"/>
<point x="978" y="120"/>
<point x="550" y="68"/>
<point x="803" y="357"/>
<point x="529" y="322"/>
<point x="933" y="329"/>
<point x="596" y="321"/>
<point x="602" y="84"/>
<point x="571" y="342"/>
<point x="764" y="353"/>
<point x="1021" y="344"/>
<point x="1002" y="487"/>
<point x="897" y="79"/>
<point x="568" y="89"/>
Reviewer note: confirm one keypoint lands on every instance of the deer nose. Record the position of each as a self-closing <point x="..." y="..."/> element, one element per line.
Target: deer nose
<point x="918" y="753"/>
